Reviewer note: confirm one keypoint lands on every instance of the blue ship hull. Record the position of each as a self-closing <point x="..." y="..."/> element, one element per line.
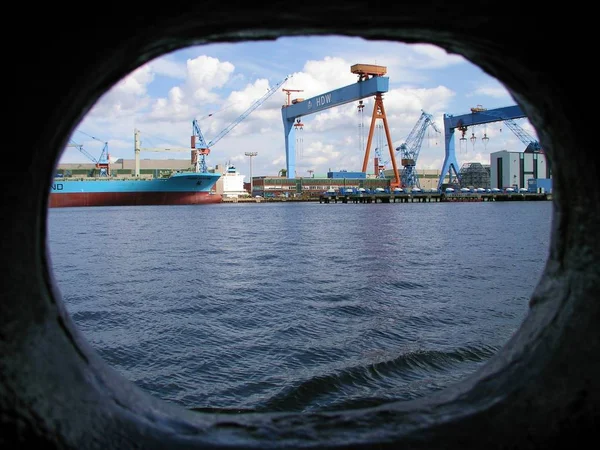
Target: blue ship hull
<point x="183" y="188"/>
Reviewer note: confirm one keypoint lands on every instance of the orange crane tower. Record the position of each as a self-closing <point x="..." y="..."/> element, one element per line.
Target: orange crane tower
<point x="365" y="72"/>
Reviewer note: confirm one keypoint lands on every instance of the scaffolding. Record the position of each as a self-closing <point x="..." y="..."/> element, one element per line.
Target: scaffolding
<point x="475" y="175"/>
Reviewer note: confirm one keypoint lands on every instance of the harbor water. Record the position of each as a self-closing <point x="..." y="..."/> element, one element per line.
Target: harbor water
<point x="298" y="306"/>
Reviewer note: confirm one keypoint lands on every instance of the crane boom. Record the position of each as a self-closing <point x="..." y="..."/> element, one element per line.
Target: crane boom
<point x="82" y="150"/>
<point x="410" y="149"/>
<point x="199" y="142"/>
<point x="138" y="148"/>
<point x="102" y="163"/>
<point x="532" y="144"/>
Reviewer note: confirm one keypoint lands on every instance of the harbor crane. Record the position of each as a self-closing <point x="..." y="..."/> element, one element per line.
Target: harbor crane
<point x="477" y="116"/>
<point x="532" y="145"/>
<point x="410" y="150"/>
<point x="378" y="165"/>
<point x="201" y="148"/>
<point x="138" y="148"/>
<point x="102" y="163"/>
<point x="371" y="82"/>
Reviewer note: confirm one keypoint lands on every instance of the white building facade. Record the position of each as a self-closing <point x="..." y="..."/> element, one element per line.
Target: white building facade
<point x="514" y="169"/>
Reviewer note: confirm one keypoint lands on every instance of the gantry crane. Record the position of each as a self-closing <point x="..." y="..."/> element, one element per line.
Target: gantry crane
<point x="102" y="163"/>
<point x="202" y="148"/>
<point x="477" y="116"/>
<point x="409" y="150"/>
<point x="371" y="82"/>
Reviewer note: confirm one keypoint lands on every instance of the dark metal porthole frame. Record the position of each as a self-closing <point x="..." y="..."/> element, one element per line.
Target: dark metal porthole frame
<point x="540" y="391"/>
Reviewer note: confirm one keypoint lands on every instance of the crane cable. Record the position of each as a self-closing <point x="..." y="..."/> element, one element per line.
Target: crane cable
<point x="380" y="142"/>
<point x="361" y="127"/>
<point x="83" y="132"/>
<point x="217" y="111"/>
<point x="299" y="126"/>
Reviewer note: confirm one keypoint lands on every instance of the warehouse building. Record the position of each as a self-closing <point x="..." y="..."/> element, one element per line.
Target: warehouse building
<point x="515" y="169"/>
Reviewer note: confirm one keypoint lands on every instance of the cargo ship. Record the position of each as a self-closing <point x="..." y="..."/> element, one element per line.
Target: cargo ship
<point x="180" y="188"/>
<point x="194" y="187"/>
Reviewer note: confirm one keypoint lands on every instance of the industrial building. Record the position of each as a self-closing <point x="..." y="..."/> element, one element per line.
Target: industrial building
<point x="515" y="169"/>
<point x="274" y="186"/>
<point x="475" y="175"/>
<point x="427" y="178"/>
<point x="311" y="187"/>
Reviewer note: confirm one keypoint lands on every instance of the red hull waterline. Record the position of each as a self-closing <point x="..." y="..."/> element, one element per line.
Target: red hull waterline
<point x="132" y="199"/>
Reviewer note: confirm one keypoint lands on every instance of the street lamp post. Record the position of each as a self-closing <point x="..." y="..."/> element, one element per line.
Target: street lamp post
<point x="250" y="155"/>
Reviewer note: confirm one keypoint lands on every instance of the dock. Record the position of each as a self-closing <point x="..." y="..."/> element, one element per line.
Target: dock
<point x="426" y="197"/>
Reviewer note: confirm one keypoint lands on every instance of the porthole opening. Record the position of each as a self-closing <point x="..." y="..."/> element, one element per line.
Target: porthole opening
<point x="278" y="297"/>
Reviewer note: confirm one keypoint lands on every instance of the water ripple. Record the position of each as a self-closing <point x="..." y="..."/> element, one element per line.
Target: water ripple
<point x="297" y="306"/>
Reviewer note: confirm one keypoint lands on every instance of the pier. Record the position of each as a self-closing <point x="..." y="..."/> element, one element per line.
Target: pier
<point x="425" y="197"/>
<point x="432" y="197"/>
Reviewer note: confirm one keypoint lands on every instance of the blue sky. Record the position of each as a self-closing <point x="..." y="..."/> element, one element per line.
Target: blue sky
<point x="163" y="97"/>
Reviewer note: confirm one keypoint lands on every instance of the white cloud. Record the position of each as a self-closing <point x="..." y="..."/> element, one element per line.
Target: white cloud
<point x="491" y="90"/>
<point x="201" y="76"/>
<point x="205" y="74"/>
<point x="428" y="56"/>
<point x="127" y="97"/>
<point x="174" y="108"/>
<point x="168" y="67"/>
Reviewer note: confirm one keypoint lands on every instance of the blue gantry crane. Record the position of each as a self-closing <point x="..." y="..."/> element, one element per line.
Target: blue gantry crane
<point x="477" y="116"/>
<point x="409" y="150"/>
<point x="371" y="82"/>
<point x="202" y="148"/>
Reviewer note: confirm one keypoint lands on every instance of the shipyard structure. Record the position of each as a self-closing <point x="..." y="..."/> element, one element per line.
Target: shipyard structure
<point x="516" y="170"/>
<point x="508" y="171"/>
<point x="392" y="171"/>
<point x="396" y="168"/>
